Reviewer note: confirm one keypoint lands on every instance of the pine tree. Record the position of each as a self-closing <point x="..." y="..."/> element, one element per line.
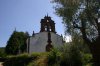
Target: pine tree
<point x="17" y="43"/>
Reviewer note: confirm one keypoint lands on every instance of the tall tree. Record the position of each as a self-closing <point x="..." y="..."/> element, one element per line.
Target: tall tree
<point x="16" y="43"/>
<point x="81" y="17"/>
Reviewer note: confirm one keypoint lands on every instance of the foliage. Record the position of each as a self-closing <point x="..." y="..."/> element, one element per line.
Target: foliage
<point x="2" y="53"/>
<point x="16" y="43"/>
<point x="34" y="59"/>
<point x="87" y="59"/>
<point x="54" y="57"/>
<point x="71" y="56"/>
<point x="75" y="11"/>
<point x="19" y="60"/>
<point x="68" y="55"/>
<point x="81" y="17"/>
<point x="2" y="49"/>
<point x="78" y="42"/>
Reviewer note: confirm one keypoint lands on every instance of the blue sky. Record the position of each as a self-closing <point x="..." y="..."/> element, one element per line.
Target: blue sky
<point x="25" y="15"/>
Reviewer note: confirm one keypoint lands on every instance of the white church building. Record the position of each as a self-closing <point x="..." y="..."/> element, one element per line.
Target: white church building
<point x="46" y="39"/>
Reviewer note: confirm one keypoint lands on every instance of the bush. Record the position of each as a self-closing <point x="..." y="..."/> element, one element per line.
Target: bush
<point x="68" y="55"/>
<point x="71" y="56"/>
<point x="54" y="57"/>
<point x="87" y="59"/>
<point x="2" y="54"/>
<point x="19" y="60"/>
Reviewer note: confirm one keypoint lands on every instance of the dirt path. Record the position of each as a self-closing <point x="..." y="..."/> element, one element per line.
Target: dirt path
<point x="1" y="63"/>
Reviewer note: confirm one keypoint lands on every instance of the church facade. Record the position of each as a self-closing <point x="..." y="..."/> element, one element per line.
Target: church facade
<point x="46" y="39"/>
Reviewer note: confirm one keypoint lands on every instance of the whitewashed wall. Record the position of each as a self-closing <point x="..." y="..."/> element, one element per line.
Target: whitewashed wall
<point x="38" y="42"/>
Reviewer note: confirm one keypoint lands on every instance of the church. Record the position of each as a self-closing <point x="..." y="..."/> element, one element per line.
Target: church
<point x="46" y="39"/>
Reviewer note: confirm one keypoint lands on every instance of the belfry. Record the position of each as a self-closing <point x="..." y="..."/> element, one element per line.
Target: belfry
<point x="47" y="24"/>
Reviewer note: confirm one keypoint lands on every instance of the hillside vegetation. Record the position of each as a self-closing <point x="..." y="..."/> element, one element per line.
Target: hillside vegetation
<point x="2" y="49"/>
<point x="68" y="55"/>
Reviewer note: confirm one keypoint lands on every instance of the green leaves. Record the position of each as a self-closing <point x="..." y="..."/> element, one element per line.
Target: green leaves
<point x="16" y="43"/>
<point x="78" y="11"/>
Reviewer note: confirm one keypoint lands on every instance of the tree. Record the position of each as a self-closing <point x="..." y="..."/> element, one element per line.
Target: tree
<point x="78" y="42"/>
<point x="16" y="43"/>
<point x="81" y="17"/>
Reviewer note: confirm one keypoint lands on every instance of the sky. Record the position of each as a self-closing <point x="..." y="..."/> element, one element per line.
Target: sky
<point x="25" y="15"/>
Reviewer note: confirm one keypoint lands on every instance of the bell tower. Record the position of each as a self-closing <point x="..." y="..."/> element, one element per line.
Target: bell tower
<point x="47" y="24"/>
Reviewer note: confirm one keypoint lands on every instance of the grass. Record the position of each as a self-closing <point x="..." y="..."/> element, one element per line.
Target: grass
<point x="35" y="59"/>
<point x="41" y="60"/>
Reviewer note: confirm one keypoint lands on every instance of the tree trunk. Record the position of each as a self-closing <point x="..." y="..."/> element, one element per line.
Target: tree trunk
<point x="95" y="50"/>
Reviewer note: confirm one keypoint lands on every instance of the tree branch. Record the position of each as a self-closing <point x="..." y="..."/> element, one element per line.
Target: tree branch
<point x="98" y="25"/>
<point x="76" y="26"/>
<point x="83" y="31"/>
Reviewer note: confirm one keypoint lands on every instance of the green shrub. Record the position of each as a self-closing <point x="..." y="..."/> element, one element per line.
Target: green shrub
<point x="71" y="56"/>
<point x="19" y="60"/>
<point x="87" y="59"/>
<point x="24" y="59"/>
<point x="54" y="57"/>
<point x="68" y="55"/>
<point x="2" y="54"/>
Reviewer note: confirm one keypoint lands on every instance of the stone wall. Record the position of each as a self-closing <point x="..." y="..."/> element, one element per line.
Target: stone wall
<point x="38" y="42"/>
